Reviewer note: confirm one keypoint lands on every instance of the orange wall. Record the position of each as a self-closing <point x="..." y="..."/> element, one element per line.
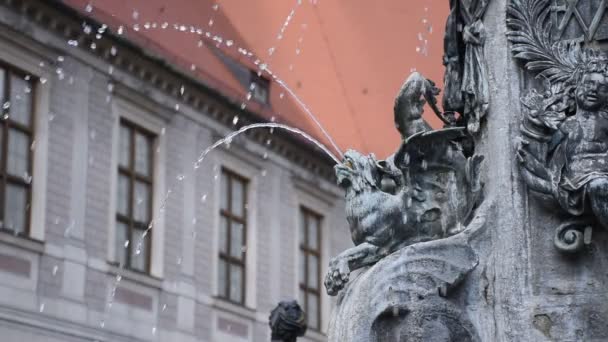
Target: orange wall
<point x="355" y="54"/>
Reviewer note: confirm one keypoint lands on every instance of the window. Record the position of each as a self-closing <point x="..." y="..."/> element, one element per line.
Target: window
<point x="310" y="266"/>
<point x="16" y="140"/>
<point x="259" y="88"/>
<point x="233" y="237"/>
<point x="134" y="197"/>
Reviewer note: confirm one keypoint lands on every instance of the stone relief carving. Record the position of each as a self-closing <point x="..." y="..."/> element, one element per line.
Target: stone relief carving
<point x="411" y="218"/>
<point x="287" y="322"/>
<point x="466" y="86"/>
<point x="563" y="154"/>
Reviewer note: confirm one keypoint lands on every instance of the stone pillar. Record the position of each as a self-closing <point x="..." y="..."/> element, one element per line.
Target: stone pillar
<point x="531" y="291"/>
<point x="518" y="279"/>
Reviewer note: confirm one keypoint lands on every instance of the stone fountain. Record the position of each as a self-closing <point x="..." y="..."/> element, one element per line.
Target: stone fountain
<point x="491" y="228"/>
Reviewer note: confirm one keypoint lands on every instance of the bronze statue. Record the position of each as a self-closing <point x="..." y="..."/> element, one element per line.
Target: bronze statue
<point x="287" y="322"/>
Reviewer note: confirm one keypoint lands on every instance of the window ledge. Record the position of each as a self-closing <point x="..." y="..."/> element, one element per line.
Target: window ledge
<point x="136" y="277"/>
<point x="22" y="242"/>
<point x="316" y="335"/>
<point x="236" y="309"/>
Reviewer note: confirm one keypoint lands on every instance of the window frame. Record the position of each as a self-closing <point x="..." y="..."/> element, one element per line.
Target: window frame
<point x="6" y="125"/>
<point x="148" y="115"/>
<point x="260" y="82"/>
<point x="225" y="257"/>
<point x="133" y="177"/>
<point x="304" y="251"/>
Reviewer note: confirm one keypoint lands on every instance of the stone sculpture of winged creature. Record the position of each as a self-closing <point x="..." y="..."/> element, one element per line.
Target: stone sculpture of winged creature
<point x="425" y="191"/>
<point x="564" y="153"/>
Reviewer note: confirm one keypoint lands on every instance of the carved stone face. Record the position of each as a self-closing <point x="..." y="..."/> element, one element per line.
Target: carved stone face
<point x="592" y="92"/>
<point x="356" y="172"/>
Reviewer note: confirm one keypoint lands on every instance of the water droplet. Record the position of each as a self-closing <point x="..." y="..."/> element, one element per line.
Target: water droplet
<point x="42" y="307"/>
<point x="135" y="14"/>
<point x="281" y="95"/>
<point x="179" y="260"/>
<point x="118" y="278"/>
<point x="89" y="8"/>
<point x="120" y="30"/>
<point x="154" y="330"/>
<point x="6" y="105"/>
<point x="177" y="107"/>
<point x="182" y="90"/>
<point x="180" y="177"/>
<point x="87" y="29"/>
<point x="215" y="7"/>
<point x="229" y="43"/>
<point x="248" y="97"/>
<point x="102" y="324"/>
<point x="126" y="244"/>
<point x="55" y="269"/>
<point x="136" y="27"/>
<point x="27" y="177"/>
<point x="243" y="106"/>
<point x="113" y="51"/>
<point x="204" y="198"/>
<point x="210" y="22"/>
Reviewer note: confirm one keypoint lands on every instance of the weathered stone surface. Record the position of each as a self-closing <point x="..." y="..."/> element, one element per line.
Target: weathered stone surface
<point x="408" y="295"/>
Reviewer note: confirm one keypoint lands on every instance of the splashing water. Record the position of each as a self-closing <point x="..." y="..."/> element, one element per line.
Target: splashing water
<point x="244" y="129"/>
<point x="307" y="111"/>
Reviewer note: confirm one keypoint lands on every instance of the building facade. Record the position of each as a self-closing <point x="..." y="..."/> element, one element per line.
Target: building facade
<point x="113" y="225"/>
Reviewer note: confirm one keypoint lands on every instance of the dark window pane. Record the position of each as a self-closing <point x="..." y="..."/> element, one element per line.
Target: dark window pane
<point x="223" y="241"/>
<point x="302" y="300"/>
<point x="238" y="193"/>
<point x="18" y="153"/>
<point x="224" y="192"/>
<point x="1" y="141"/>
<point x="2" y="81"/>
<point x="313" y="271"/>
<point x="122" y="195"/>
<point x="122" y="246"/>
<point x="313" y="311"/>
<point x="15" y="208"/>
<point x="141" y="202"/>
<point x="236" y="283"/>
<point x="302" y="230"/>
<point x="124" y="155"/>
<point x="139" y="255"/>
<point x="20" y="100"/>
<point x="236" y="240"/>
<point x="142" y="154"/>
<point x="302" y="268"/>
<point x="313" y="232"/>
<point x="221" y="279"/>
